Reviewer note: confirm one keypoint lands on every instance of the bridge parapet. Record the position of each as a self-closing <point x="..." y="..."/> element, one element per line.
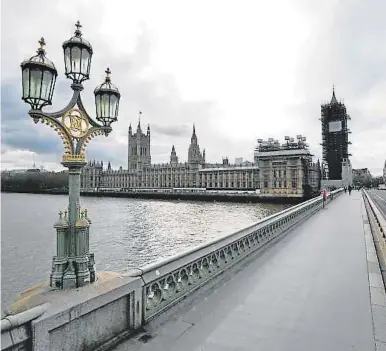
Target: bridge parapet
<point x="378" y="229"/>
<point x="168" y="281"/>
<point x="16" y="330"/>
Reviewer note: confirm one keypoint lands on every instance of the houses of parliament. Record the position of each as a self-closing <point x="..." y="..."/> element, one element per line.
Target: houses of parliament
<point x="282" y="169"/>
<point x="141" y="173"/>
<point x="278" y="169"/>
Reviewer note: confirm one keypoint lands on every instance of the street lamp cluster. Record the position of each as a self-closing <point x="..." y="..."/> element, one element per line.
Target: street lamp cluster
<point x="73" y="265"/>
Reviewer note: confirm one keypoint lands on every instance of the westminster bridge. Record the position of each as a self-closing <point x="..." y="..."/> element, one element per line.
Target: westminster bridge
<point x="306" y="278"/>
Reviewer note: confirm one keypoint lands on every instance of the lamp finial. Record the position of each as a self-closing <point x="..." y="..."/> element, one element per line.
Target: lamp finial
<point x="78" y="33"/>
<point x="108" y="72"/>
<point x="42" y="44"/>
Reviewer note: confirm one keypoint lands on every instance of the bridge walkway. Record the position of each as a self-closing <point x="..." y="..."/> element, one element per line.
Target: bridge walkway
<point x="309" y="291"/>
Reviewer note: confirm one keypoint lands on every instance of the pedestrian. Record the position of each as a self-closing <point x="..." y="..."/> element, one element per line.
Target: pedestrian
<point x="349" y="189"/>
<point x="345" y="189"/>
<point x="324" y="195"/>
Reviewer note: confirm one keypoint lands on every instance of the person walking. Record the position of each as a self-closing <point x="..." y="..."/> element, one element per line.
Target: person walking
<point x="324" y="195"/>
<point x="349" y="189"/>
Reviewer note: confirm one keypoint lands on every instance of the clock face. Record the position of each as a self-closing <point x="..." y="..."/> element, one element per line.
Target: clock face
<point x="335" y="126"/>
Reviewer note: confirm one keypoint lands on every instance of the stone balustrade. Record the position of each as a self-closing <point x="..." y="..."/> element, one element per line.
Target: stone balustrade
<point x="101" y="314"/>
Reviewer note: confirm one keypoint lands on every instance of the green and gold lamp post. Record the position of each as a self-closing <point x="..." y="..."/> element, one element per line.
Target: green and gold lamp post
<point x="73" y="265"/>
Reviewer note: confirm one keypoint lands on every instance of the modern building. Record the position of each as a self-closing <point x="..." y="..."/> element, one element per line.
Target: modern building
<point x="335" y="141"/>
<point x="287" y="169"/>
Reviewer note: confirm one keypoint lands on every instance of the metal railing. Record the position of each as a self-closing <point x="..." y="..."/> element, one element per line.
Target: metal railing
<point x="378" y="229"/>
<point x="170" y="280"/>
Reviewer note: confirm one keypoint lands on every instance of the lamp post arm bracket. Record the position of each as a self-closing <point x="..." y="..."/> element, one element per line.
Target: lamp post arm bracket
<point x="83" y="141"/>
<point x="81" y="107"/>
<point x="71" y="104"/>
<point x="60" y="130"/>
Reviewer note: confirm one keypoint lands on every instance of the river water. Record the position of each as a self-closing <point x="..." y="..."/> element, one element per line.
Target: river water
<point x="124" y="232"/>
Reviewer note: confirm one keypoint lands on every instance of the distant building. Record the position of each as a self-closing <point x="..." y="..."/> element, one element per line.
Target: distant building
<point x="139" y="155"/>
<point x="347" y="173"/>
<point x="334" y="137"/>
<point x="195" y="173"/>
<point x="362" y="176"/>
<point x="287" y="169"/>
<point x="384" y="173"/>
<point x="238" y="161"/>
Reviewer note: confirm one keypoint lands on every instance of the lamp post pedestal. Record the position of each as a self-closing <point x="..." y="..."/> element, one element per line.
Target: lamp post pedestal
<point x="73" y="266"/>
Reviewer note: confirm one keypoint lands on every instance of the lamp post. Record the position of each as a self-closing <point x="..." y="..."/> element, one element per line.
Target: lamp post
<point x="73" y="265"/>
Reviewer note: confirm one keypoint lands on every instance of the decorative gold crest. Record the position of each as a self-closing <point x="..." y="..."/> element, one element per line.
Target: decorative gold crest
<point x="76" y="123"/>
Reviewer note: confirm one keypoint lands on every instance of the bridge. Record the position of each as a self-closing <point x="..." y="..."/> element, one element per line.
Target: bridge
<point x="306" y="278"/>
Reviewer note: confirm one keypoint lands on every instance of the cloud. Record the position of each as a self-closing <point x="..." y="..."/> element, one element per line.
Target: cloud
<point x="256" y="73"/>
<point x="176" y="131"/>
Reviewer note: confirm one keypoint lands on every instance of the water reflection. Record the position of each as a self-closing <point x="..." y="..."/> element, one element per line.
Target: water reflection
<point x="124" y="232"/>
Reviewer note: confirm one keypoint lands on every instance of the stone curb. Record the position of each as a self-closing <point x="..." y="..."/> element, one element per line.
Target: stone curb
<point x="376" y="286"/>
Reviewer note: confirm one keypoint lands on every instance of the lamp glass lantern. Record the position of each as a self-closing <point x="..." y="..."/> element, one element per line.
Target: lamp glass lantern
<point x="38" y="79"/>
<point x="107" y="101"/>
<point x="77" y="57"/>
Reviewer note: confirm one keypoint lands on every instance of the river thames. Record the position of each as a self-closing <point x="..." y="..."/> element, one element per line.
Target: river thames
<point x="125" y="233"/>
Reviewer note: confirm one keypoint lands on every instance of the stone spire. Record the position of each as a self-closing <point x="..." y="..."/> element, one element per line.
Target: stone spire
<point x="333" y="99"/>
<point x="139" y="121"/>
<point x="130" y="129"/>
<point x="194" y="155"/>
<point x="148" y="129"/>
<point x="193" y="139"/>
<point x="173" y="157"/>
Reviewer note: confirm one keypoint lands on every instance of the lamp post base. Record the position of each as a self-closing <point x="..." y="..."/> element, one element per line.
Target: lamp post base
<point x="72" y="273"/>
<point x="69" y="277"/>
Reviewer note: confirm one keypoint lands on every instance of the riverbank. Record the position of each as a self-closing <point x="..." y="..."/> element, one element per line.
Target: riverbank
<point x="208" y="197"/>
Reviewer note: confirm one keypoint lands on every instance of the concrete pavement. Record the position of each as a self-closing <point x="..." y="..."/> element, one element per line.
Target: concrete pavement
<point x="309" y="291"/>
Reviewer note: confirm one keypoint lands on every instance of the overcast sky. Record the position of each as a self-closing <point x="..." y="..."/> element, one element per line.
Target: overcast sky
<point x="240" y="70"/>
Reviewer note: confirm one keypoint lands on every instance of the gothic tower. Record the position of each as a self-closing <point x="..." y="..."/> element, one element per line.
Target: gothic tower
<point x="139" y="156"/>
<point x="334" y="136"/>
<point x="173" y="157"/>
<point x="194" y="155"/>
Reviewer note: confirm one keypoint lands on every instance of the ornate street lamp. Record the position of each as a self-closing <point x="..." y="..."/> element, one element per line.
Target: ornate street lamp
<point x="73" y="265"/>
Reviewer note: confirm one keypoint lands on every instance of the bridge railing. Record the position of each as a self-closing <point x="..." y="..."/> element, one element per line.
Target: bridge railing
<point x="378" y="229"/>
<point x="170" y="280"/>
<point x="102" y="314"/>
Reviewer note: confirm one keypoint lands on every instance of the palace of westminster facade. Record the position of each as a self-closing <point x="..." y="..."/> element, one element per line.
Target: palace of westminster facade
<point x="278" y="169"/>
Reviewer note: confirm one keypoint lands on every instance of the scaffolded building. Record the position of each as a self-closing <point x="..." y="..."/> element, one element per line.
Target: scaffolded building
<point x="334" y="137"/>
<point x="287" y="170"/>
